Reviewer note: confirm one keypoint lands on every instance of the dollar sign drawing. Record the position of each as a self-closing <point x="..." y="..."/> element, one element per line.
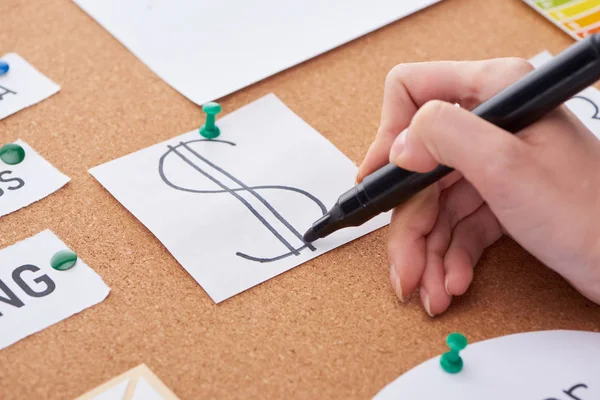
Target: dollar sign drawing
<point x="596" y="114"/>
<point x="201" y="164"/>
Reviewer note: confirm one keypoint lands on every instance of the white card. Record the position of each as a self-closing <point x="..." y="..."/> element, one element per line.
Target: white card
<point x="27" y="182"/>
<point x="145" y="391"/>
<point x="22" y="86"/>
<point x="544" y="365"/>
<point x="220" y="233"/>
<point x="116" y="392"/>
<point x="585" y="105"/>
<point x="138" y="383"/>
<point x="207" y="49"/>
<point x="33" y="295"/>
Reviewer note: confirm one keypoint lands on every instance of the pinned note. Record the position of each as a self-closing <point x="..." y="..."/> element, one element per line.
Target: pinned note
<point x="138" y="383"/>
<point x="28" y="181"/>
<point x="34" y="296"/>
<point x="192" y="44"/>
<point x="548" y="365"/>
<point x="22" y="86"/>
<point x="233" y="210"/>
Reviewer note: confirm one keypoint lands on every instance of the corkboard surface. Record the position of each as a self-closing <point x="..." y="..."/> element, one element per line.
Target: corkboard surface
<point x="331" y="328"/>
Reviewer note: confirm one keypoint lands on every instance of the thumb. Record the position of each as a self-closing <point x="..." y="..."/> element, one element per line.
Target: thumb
<point x="441" y="133"/>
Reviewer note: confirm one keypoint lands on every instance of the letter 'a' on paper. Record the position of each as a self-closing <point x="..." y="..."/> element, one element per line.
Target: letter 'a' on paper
<point x="27" y="182"/>
<point x="33" y="295"/>
<point x="232" y="211"/>
<point x="22" y="86"/>
<point x="206" y="49"/>
<point x="533" y="365"/>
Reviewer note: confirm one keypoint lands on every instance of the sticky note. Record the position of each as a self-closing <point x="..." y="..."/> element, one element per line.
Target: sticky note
<point x="545" y="365"/>
<point x="206" y="49"/>
<point x="34" y="296"/>
<point x="27" y="182"/>
<point x="22" y="86"/>
<point x="139" y="383"/>
<point x="232" y="210"/>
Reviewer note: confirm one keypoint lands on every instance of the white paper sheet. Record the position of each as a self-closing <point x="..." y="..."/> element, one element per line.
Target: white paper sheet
<point x="27" y="182"/>
<point x="144" y="391"/>
<point x="22" y="86"/>
<point x="138" y="383"/>
<point x="114" y="393"/>
<point x="585" y="105"/>
<point x="534" y="365"/>
<point x="34" y="296"/>
<point x="285" y="165"/>
<point x="207" y="49"/>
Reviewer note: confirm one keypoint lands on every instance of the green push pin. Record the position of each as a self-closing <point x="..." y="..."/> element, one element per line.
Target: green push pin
<point x="63" y="260"/>
<point x="451" y="361"/>
<point x="12" y="154"/>
<point x="209" y="130"/>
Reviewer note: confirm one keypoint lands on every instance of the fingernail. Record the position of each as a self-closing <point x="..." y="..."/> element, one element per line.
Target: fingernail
<point x="369" y="151"/>
<point x="396" y="282"/>
<point x="398" y="145"/>
<point x="446" y="286"/>
<point x="425" y="300"/>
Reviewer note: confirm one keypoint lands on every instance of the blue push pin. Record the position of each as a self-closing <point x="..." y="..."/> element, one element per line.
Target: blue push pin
<point x="4" y="67"/>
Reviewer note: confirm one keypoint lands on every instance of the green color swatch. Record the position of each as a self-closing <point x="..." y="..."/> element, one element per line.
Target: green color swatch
<point x="12" y="154"/>
<point x="548" y="4"/>
<point x="63" y="260"/>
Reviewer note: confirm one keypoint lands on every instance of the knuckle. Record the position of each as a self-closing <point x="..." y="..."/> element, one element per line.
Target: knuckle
<point x="385" y="132"/>
<point x="424" y="127"/>
<point x="499" y="71"/>
<point x="396" y="73"/>
<point x="429" y="114"/>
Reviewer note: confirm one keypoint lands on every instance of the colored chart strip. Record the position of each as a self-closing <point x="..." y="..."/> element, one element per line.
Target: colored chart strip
<point x="548" y="4"/>
<point x="589" y="32"/>
<point x="583" y="22"/>
<point x="575" y="9"/>
<point x="578" y="18"/>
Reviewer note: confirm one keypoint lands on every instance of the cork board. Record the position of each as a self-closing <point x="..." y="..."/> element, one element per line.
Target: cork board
<point x="331" y="328"/>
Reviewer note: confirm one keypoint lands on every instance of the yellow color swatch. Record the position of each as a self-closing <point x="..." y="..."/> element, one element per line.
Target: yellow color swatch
<point x="575" y="9"/>
<point x="584" y="21"/>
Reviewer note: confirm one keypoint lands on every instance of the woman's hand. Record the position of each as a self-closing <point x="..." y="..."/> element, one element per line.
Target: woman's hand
<point x="541" y="187"/>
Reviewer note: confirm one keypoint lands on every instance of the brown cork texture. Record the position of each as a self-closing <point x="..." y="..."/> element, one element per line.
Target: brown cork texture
<point x="330" y="328"/>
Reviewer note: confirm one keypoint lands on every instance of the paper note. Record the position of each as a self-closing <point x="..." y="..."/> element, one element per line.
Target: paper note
<point x="207" y="49"/>
<point x="584" y="105"/>
<point x="145" y="391"/>
<point x="138" y="383"/>
<point x="34" y="296"/>
<point x="232" y="211"/>
<point x="548" y="365"/>
<point x="116" y="392"/>
<point x="27" y="182"/>
<point x="22" y="86"/>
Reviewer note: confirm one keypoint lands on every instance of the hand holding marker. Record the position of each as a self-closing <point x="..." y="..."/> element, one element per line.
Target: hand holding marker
<point x="431" y="242"/>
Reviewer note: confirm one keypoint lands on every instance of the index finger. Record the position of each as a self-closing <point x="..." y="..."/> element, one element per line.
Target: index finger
<point x="409" y="86"/>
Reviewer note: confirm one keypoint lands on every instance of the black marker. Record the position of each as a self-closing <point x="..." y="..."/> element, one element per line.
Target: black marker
<point x="513" y="109"/>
